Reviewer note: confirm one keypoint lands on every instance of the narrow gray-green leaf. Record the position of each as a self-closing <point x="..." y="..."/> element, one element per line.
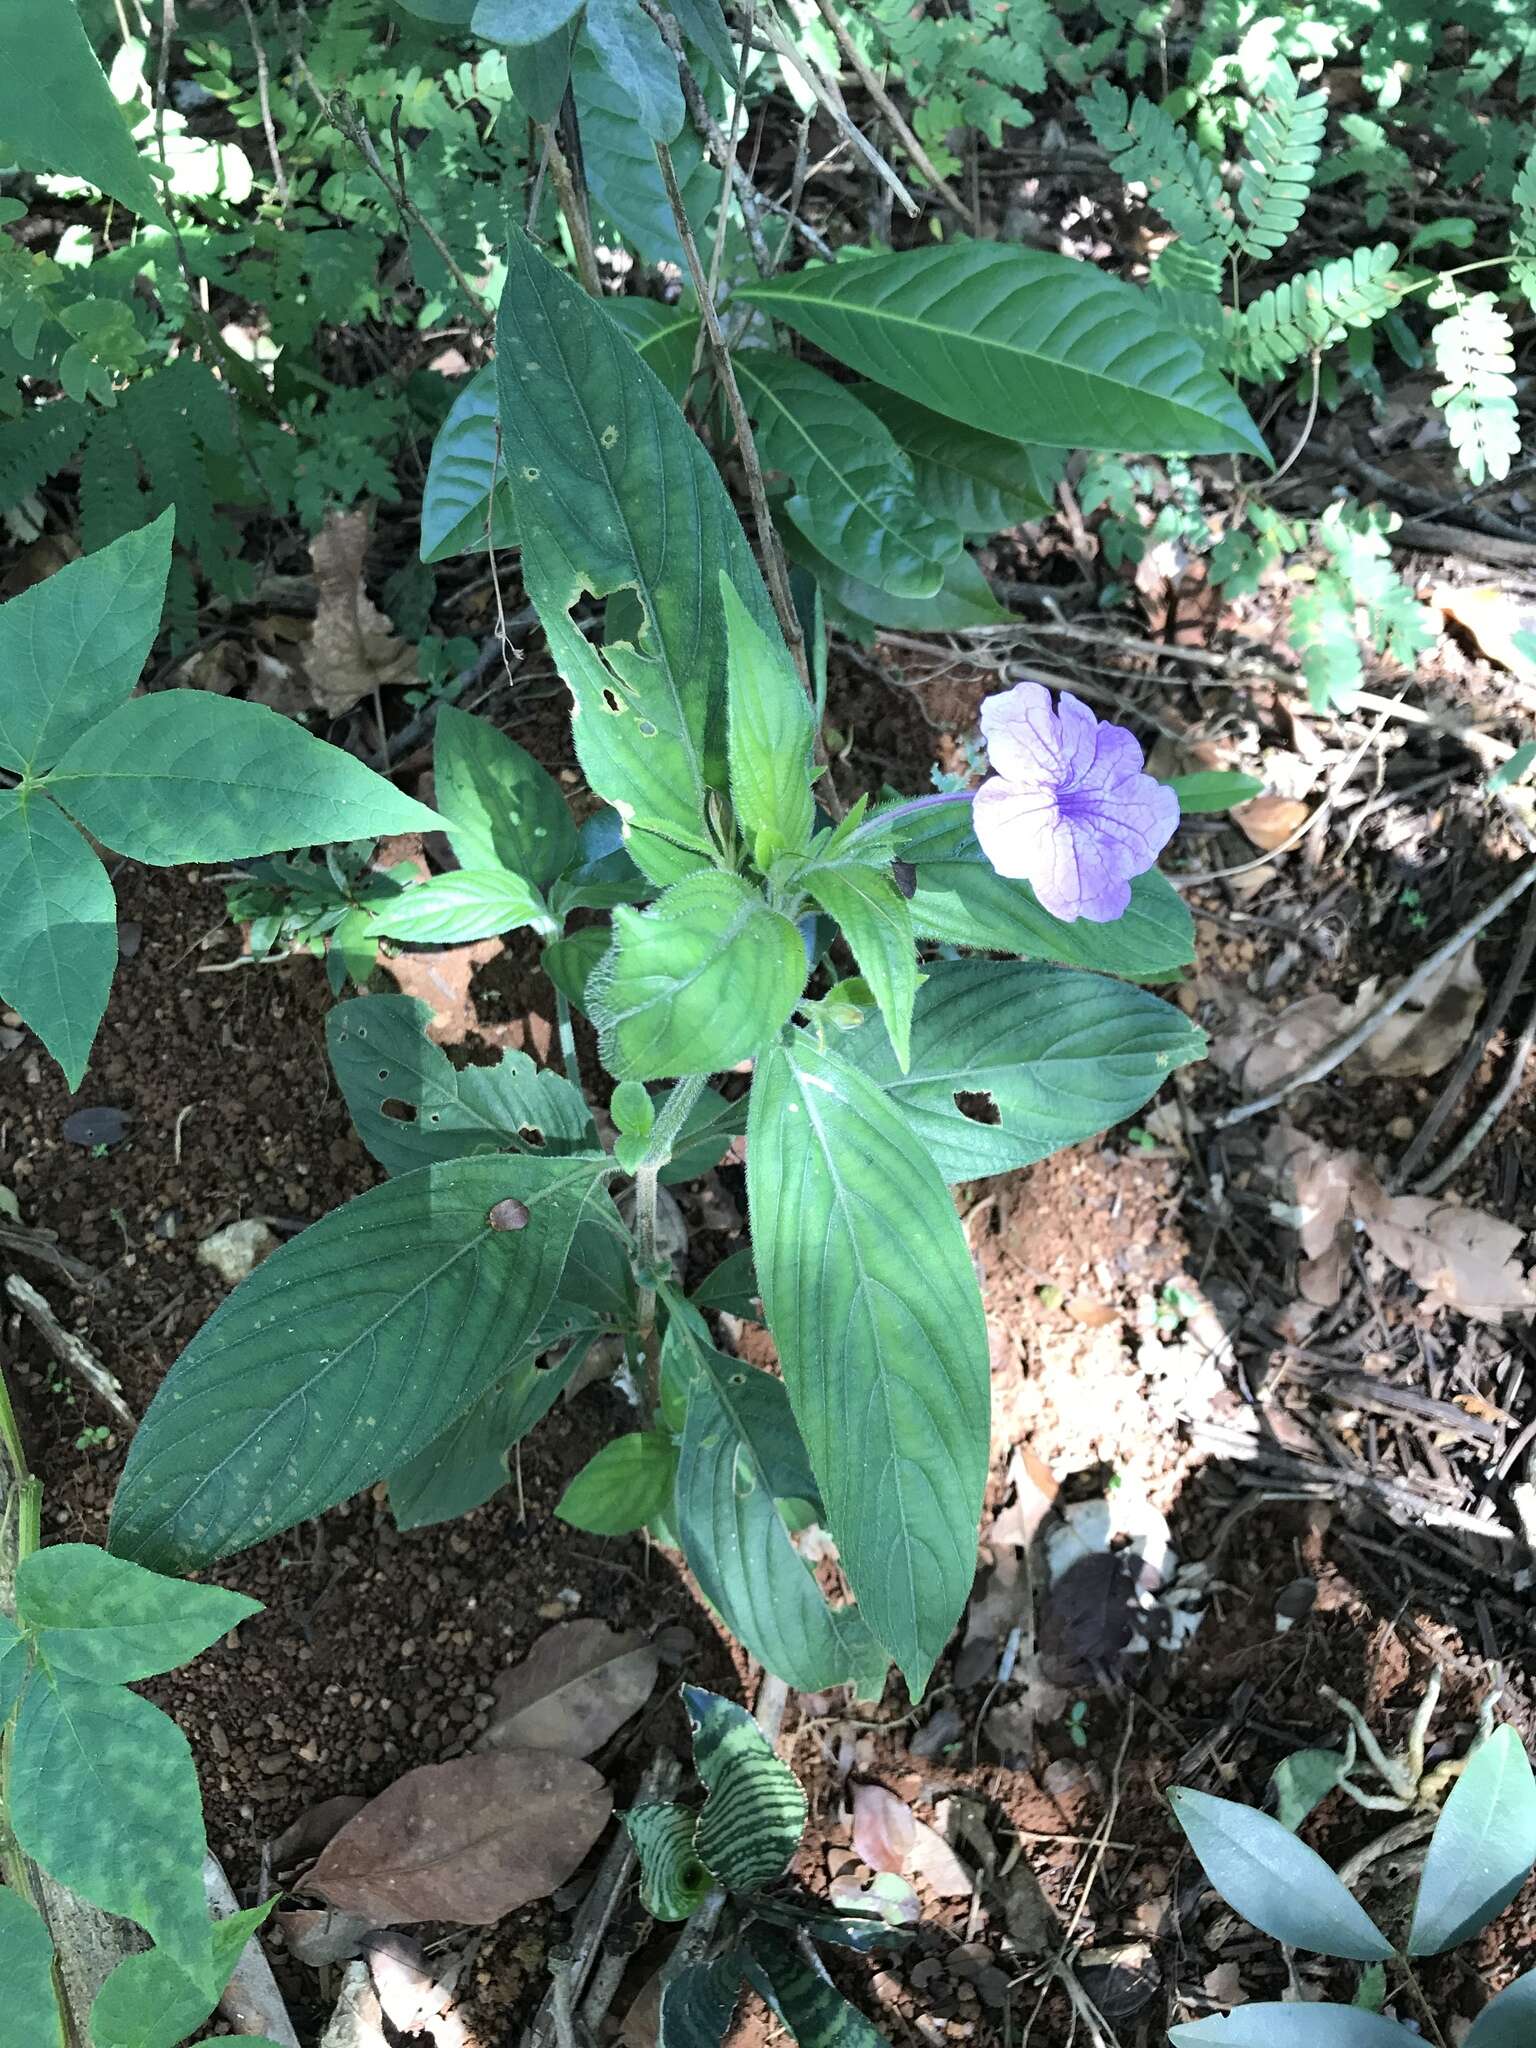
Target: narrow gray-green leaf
<point x="99" y="1617"/>
<point x="629" y="47"/>
<point x="1284" y="1888"/>
<point x="464" y="485"/>
<point x="1303" y="1780"/>
<point x="732" y="1285"/>
<point x="623" y="1487"/>
<point x="617" y="494"/>
<point x="72" y="646"/>
<point x="980" y="482"/>
<point x="988" y="332"/>
<point x="963" y="599"/>
<point x="797" y="1987"/>
<point x="854" y="499"/>
<point x="1214" y="789"/>
<point x="58" y="936"/>
<point x="26" y="1970"/>
<point x="467" y="1465"/>
<point x="57" y="112"/>
<point x="464" y="904"/>
<point x="771" y="735"/>
<point x="1482" y="1849"/>
<point x="1508" y="2021"/>
<point x="868" y="1285"/>
<point x="664" y="337"/>
<point x="102" y="1792"/>
<point x="502" y="808"/>
<point x="703" y="23"/>
<point x="875" y="920"/>
<point x="184" y="775"/>
<point x="708" y="1129"/>
<point x="697" y="982"/>
<point x="672" y="1879"/>
<point x="346" y="1353"/>
<point x="413" y="1107"/>
<point x="1297" y="2026"/>
<point x="517" y="22"/>
<point x="1060" y="1055"/>
<point x="961" y="899"/>
<point x="148" y="2002"/>
<point x="756" y="1403"/>
<point x="754" y="1812"/>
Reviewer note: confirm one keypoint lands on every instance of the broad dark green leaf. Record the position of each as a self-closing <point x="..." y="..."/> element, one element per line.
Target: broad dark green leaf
<point x="571" y="963"/>
<point x="804" y="1997"/>
<point x="617" y="494"/>
<point x="539" y="72"/>
<point x="710" y="1126"/>
<point x="961" y="899"/>
<point x="855" y="499"/>
<point x="867" y="1282"/>
<point x="102" y="1792"/>
<point x="703" y="24"/>
<point x="1214" y="789"/>
<point x="413" y="1107"/>
<point x="1482" y="1849"/>
<point x="672" y="1879"/>
<point x="101" y="1618"/>
<point x="663" y="337"/>
<point x="623" y="1486"/>
<point x="346" y="1353"/>
<point x="963" y="599"/>
<point x="517" y="22"/>
<point x="57" y="112"/>
<point x="732" y="1286"/>
<point x="71" y="647"/>
<point x="15" y="1660"/>
<point x="502" y="808"/>
<point x="736" y="1541"/>
<point x="1284" y="1888"/>
<point x="148" y="2002"/>
<point x="26" y="1970"/>
<point x="184" y="775"/>
<point x="1508" y="2021"/>
<point x="620" y="163"/>
<point x="628" y="45"/>
<point x="460" y="475"/>
<point x="463" y="904"/>
<point x="699" y="2004"/>
<point x="754" y="1812"/>
<point x="1060" y="1055"/>
<point x="986" y="332"/>
<point x="772" y="731"/>
<point x="602" y="872"/>
<point x="978" y="481"/>
<point x="58" y="935"/>
<point x="448" y="13"/>
<point x="1298" y="2026"/>
<point x="697" y="982"/>
<point x="877" y="924"/>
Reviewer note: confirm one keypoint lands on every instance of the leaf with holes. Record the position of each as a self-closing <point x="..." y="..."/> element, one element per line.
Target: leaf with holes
<point x="977" y="481"/>
<point x="754" y="1814"/>
<point x="366" y="1335"/>
<point x="1059" y="1056"/>
<point x="465" y="492"/>
<point x="1284" y="1888"/>
<point x="984" y="332"/>
<point x="1482" y="1849"/>
<point x="672" y="1879"/>
<point x="624" y="1486"/>
<point x="98" y="1617"/>
<point x="58" y="938"/>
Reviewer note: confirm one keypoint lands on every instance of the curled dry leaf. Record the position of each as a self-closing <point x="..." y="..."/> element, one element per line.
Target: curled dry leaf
<point x="1267" y="822"/>
<point x="469" y="1840"/>
<point x="317" y="1939"/>
<point x="1497" y="621"/>
<point x="884" y="1829"/>
<point x="937" y="1865"/>
<point x="353" y="649"/>
<point x="579" y="1683"/>
<point x="315" y="1826"/>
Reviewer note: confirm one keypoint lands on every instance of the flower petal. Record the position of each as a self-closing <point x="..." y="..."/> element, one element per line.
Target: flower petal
<point x="1023" y="734"/>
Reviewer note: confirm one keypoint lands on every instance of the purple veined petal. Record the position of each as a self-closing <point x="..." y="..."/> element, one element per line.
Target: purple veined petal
<point x="1013" y="827"/>
<point x="1023" y="734"/>
<point x="1139" y="814"/>
<point x="1082" y="740"/>
<point x="1084" y="873"/>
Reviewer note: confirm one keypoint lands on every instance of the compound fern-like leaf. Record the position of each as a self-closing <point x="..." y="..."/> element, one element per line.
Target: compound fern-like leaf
<point x="1315" y="309"/>
<point x="1148" y="148"/>
<point x="1474" y="353"/>
<point x="1286" y="139"/>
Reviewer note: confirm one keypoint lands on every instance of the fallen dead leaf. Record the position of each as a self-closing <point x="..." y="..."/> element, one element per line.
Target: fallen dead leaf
<point x="357" y="2021"/>
<point x="353" y="649"/>
<point x="1224" y="1984"/>
<point x="1267" y="822"/>
<point x="440" y="977"/>
<point x="1493" y="617"/>
<point x="936" y="1864"/>
<point x="468" y="1841"/>
<point x="579" y="1683"/>
<point x="415" y="2001"/>
<point x="884" y="1829"/>
<point x="315" y="1826"/>
<point x="318" y="1939"/>
<point x="1430" y="1029"/>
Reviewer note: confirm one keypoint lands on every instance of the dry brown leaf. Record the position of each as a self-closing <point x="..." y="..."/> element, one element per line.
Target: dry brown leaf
<point x="933" y="1860"/>
<point x="317" y="1939"/>
<point x="358" y="2021"/>
<point x="315" y="1826"/>
<point x="1430" y="1029"/>
<point x="1493" y="617"/>
<point x="353" y="649"/>
<point x="469" y="1840"/>
<point x="1267" y="822"/>
<point x="1463" y="1258"/>
<point x="884" y="1829"/>
<point x="440" y="977"/>
<point x="579" y="1683"/>
<point x="1224" y="1984"/>
<point x="1259" y="1051"/>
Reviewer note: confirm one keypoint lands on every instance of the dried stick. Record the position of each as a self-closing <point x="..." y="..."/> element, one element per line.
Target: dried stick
<point x="831" y="102"/>
<point x="1337" y="1053"/>
<point x="28" y="1243"/>
<point x="264" y="95"/>
<point x="722" y="152"/>
<point x="767" y="539"/>
<point x="882" y="99"/>
<point x="69" y="1349"/>
<point x="1462" y="1151"/>
<point x="575" y="214"/>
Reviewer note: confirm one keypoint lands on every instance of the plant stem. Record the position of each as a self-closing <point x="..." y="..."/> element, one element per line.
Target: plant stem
<point x="567" y="1039"/>
<point x="1425" y="2012"/>
<point x="575" y="214"/>
<point x="675" y="1112"/>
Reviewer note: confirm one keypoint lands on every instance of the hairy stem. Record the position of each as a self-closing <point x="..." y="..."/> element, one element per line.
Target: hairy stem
<point x="567" y="1033"/>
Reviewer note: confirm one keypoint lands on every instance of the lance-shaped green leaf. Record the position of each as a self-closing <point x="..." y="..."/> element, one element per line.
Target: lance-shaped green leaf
<point x="465" y="487"/>
<point x="854" y="497"/>
<point x="1214" y="789"/>
<point x="992" y="334"/>
<point x="699" y="2004"/>
<point x="1296" y="2026"/>
<point x="502" y="808"/>
<point x="413" y="1107"/>
<point x="978" y="481"/>
<point x="624" y="1486"/>
<point x="963" y="599"/>
<point x="26" y="1970"/>
<point x="756" y="1404"/>
<point x="1508" y="2021"/>
<point x="1275" y="1881"/>
<point x="184" y="775"/>
<point x="867" y="1282"/>
<point x="346" y="1353"/>
<point x="148" y="2002"/>
<point x="663" y="337"/>
<point x="615" y="493"/>
<point x="754" y="1814"/>
<point x="538" y="72"/>
<point x="703" y="23"/>
<point x="804" y="1997"/>
<point x="733" y="1466"/>
<point x="15" y="1661"/>
<point x="1059" y="1055"/>
<point x="620" y="163"/>
<point x="771" y="734"/>
<point x="630" y="49"/>
<point x="72" y="646"/>
<point x="672" y="1879"/>
<point x="875" y="920"/>
<point x="102" y="1792"/>
<point x="697" y="982"/>
<point x="58" y="936"/>
<point x="602" y="873"/>
<point x="57" y="112"/>
<point x="731" y="1286"/>
<point x="1482" y="1849"/>
<point x="961" y="899"/>
<point x="99" y="1617"/>
<point x="463" y="904"/>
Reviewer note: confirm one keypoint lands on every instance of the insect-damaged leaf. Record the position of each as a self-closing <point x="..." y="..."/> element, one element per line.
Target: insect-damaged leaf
<point x="469" y="1840"/>
<point x="579" y="1683"/>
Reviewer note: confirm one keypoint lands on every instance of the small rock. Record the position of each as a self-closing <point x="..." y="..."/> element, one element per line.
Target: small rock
<point x="238" y="1249"/>
<point x="219" y="1739"/>
<point x="271" y="1766"/>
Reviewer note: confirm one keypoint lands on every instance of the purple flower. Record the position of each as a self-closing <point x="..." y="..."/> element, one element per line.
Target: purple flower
<point x="1070" y="809"/>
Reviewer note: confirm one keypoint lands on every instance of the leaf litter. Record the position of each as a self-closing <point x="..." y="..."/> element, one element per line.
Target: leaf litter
<point x="578" y="1685"/>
